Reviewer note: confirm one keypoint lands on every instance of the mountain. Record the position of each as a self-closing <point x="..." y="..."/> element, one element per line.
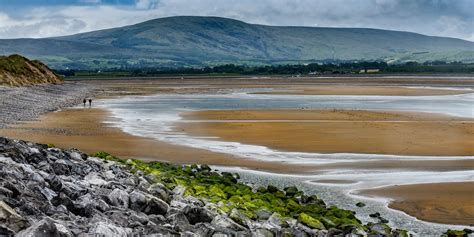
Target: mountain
<point x="16" y="70"/>
<point x="191" y="41"/>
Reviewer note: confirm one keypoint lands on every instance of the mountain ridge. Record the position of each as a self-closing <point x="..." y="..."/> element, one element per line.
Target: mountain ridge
<point x="202" y="41"/>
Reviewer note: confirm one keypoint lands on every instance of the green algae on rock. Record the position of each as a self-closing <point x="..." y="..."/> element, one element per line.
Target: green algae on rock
<point x="244" y="203"/>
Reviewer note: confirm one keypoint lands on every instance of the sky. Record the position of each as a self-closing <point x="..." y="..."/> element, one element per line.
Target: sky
<point x="46" y="18"/>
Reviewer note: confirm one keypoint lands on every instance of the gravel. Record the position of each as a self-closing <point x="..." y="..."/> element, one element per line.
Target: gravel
<point x="28" y="103"/>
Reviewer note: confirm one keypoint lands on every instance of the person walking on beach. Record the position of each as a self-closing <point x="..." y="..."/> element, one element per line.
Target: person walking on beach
<point x="90" y="103"/>
<point x="84" y="101"/>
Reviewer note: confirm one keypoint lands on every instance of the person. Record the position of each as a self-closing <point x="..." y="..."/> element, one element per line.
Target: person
<point x="84" y="101"/>
<point x="90" y="102"/>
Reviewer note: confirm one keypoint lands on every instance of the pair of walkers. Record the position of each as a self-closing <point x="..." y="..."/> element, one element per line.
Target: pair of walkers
<point x="84" y="102"/>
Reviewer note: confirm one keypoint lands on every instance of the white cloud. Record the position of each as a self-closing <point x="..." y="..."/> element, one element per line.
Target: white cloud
<point x="441" y="17"/>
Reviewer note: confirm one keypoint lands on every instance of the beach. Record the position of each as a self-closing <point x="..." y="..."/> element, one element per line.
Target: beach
<point x="338" y="131"/>
<point x="307" y="130"/>
<point x="432" y="201"/>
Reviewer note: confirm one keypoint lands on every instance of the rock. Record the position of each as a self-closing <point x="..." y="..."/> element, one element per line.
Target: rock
<point x="263" y="214"/>
<point x="179" y="190"/>
<point x="45" y="227"/>
<point x="290" y="191"/>
<point x="360" y="204"/>
<point x="275" y="221"/>
<point x="55" y="183"/>
<point x="95" y="179"/>
<point x="375" y="215"/>
<point x="155" y="206"/>
<point x="179" y="221"/>
<point x="48" y="193"/>
<point x="138" y="200"/>
<point x="119" y="198"/>
<point x="84" y="206"/>
<point x="160" y="191"/>
<point x="60" y="167"/>
<point x="272" y="189"/>
<point x="10" y="220"/>
<point x="203" y="229"/>
<point x="226" y="223"/>
<point x="240" y="218"/>
<point x="108" y="229"/>
<point x="311" y="222"/>
<point x="381" y="228"/>
<point x="262" y="233"/>
<point x="197" y="215"/>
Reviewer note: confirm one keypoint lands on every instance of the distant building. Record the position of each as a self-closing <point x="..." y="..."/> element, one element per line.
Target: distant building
<point x="369" y="70"/>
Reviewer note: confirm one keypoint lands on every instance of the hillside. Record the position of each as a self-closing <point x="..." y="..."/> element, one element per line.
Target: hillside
<point x="190" y="41"/>
<point x="16" y="70"/>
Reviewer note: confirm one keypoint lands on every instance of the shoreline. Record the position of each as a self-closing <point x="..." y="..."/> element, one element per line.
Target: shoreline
<point x="73" y="127"/>
<point x="431" y="202"/>
<point x="85" y="129"/>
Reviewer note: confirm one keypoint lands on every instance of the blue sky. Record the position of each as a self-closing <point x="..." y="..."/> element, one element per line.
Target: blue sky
<point x="45" y="18"/>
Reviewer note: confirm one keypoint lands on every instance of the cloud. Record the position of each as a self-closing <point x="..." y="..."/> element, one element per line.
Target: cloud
<point x="451" y="18"/>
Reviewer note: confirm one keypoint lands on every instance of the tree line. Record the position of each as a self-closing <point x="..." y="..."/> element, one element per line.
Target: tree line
<point x="289" y="69"/>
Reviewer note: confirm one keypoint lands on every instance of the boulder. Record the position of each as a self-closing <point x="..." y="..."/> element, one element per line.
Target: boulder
<point x="119" y="198"/>
<point x="155" y="206"/>
<point x="10" y="220"/>
<point x="197" y="215"/>
<point x="108" y="229"/>
<point x="226" y="223"/>
<point x="138" y="200"/>
<point x="60" y="167"/>
<point x="262" y="233"/>
<point x="45" y="227"/>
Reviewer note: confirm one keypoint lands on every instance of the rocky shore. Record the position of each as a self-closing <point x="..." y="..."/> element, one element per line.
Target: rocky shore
<point x="27" y="103"/>
<point x="45" y="191"/>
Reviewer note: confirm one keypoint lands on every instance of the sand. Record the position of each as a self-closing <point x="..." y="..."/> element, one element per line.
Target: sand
<point x="84" y="129"/>
<point x="338" y="131"/>
<point x="449" y="203"/>
<point x="362" y="90"/>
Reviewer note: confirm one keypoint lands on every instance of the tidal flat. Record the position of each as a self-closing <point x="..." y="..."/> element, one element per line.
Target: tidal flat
<point x="371" y="132"/>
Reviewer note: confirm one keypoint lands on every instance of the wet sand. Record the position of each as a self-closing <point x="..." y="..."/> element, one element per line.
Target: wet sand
<point x="338" y="131"/>
<point x="363" y="90"/>
<point x="84" y="129"/>
<point x="449" y="203"/>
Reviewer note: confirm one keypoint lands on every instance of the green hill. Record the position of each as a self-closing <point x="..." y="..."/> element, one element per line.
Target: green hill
<point x="16" y="70"/>
<point x="191" y="41"/>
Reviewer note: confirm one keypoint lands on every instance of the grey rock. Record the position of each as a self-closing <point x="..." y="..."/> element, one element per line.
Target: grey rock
<point x="155" y="206"/>
<point x="263" y="214"/>
<point x="138" y="200"/>
<point x="262" y="233"/>
<point x="226" y="223"/>
<point x="60" y="167"/>
<point x="119" y="198"/>
<point x="159" y="191"/>
<point x="10" y="219"/>
<point x="109" y="229"/>
<point x="46" y="227"/>
<point x="197" y="215"/>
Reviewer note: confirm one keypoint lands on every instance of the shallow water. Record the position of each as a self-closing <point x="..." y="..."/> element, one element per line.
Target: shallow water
<point x="154" y="116"/>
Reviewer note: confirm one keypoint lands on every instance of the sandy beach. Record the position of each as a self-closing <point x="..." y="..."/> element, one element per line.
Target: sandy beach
<point x="324" y="131"/>
<point x="84" y="129"/>
<point x="362" y="90"/>
<point x="449" y="203"/>
<point x="338" y="131"/>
